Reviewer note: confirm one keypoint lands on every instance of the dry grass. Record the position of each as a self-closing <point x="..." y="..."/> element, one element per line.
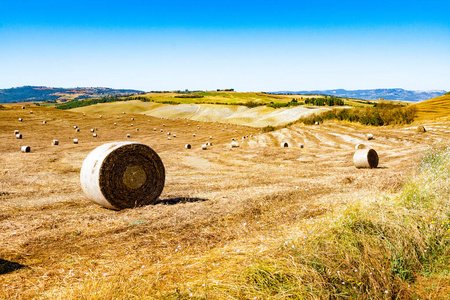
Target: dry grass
<point x="226" y="216"/>
<point x="436" y="108"/>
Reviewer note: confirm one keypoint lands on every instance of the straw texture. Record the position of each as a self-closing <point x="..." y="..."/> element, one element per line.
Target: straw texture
<point x="123" y="175"/>
<point x="365" y="158"/>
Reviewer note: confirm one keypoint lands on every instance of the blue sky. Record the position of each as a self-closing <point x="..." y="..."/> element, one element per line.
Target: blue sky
<point x="246" y="45"/>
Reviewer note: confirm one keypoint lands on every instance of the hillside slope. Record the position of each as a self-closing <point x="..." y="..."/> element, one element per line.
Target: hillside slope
<point x="43" y="93"/>
<point x="260" y="116"/>
<point x="435" y="108"/>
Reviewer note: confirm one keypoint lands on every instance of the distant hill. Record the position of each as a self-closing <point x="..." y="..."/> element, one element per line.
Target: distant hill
<point x="43" y="93"/>
<point x="387" y="94"/>
<point x="435" y="108"/>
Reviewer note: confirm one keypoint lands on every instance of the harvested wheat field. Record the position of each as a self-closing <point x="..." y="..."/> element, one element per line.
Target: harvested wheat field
<point x="230" y="223"/>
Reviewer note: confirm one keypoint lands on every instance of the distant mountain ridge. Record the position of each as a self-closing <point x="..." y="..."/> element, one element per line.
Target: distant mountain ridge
<point x="388" y="94"/>
<point x="43" y="93"/>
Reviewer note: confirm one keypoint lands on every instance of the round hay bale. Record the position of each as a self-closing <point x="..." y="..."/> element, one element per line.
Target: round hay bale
<point x="101" y="116"/>
<point x="132" y="119"/>
<point x="78" y="129"/>
<point x="208" y="144"/>
<point x="365" y="158"/>
<point x="20" y="119"/>
<point x="75" y="141"/>
<point x="84" y="115"/>
<point x="96" y="129"/>
<point x="187" y="146"/>
<point x="44" y="122"/>
<point x="118" y="117"/>
<point x="421" y="129"/>
<point x="284" y="145"/>
<point x="128" y="135"/>
<point x="316" y="123"/>
<point x="223" y="129"/>
<point x="147" y="120"/>
<point x="204" y="147"/>
<point x="164" y="125"/>
<point x="23" y="107"/>
<point x="137" y="129"/>
<point x="301" y="145"/>
<point x="16" y="131"/>
<point x="174" y="135"/>
<point x="31" y="112"/>
<point x="370" y="136"/>
<point x="122" y="175"/>
<point x="210" y="137"/>
<point x="92" y="130"/>
<point x="55" y="142"/>
<point x="232" y="139"/>
<point x="234" y="144"/>
<point x="360" y="146"/>
<point x="75" y="126"/>
<point x="25" y="149"/>
<point x="115" y="124"/>
<point x="193" y="135"/>
<point x="132" y="125"/>
<point x="123" y="112"/>
<point x="154" y="129"/>
<point x="169" y="138"/>
<point x="168" y="133"/>
<point x="94" y="135"/>
<point x="19" y="136"/>
<point x="189" y="124"/>
<point x="162" y="130"/>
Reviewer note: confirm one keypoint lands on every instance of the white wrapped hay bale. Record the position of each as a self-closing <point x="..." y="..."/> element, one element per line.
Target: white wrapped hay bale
<point x="75" y="141"/>
<point x="193" y="135"/>
<point x="370" y="136"/>
<point x="365" y="158"/>
<point x="168" y="133"/>
<point x="25" y="149"/>
<point x="122" y="175"/>
<point x="204" y="147"/>
<point x="55" y="142"/>
<point x="128" y="135"/>
<point x="44" y="122"/>
<point x="75" y="126"/>
<point x="284" y="145"/>
<point x="234" y="144"/>
<point x="94" y="135"/>
<point x="188" y="146"/>
<point x="92" y="130"/>
<point x="19" y="136"/>
<point x="20" y="119"/>
<point x="174" y="135"/>
<point x="360" y="146"/>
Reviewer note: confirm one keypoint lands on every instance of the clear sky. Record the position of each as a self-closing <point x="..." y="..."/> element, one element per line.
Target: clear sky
<point x="246" y="45"/>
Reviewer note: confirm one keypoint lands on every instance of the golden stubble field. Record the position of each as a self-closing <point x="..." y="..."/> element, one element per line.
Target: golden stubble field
<point x="220" y="208"/>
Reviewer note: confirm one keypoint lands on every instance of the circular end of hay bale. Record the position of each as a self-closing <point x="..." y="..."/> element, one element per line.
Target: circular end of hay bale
<point x="18" y="136"/>
<point x="78" y="129"/>
<point x="25" y="149"/>
<point x="75" y="141"/>
<point x="23" y="107"/>
<point x="123" y="112"/>
<point x="301" y="145"/>
<point x="55" y="142"/>
<point x="284" y="145"/>
<point x="370" y="136"/>
<point x="162" y="130"/>
<point x="421" y="129"/>
<point x="132" y="119"/>
<point x="122" y="175"/>
<point x="188" y="146"/>
<point x="365" y="158"/>
<point x="44" y="122"/>
<point x="75" y="127"/>
<point x="360" y="146"/>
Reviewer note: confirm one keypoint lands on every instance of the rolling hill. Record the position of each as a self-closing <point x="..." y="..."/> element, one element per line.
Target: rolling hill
<point x="435" y="108"/>
<point x="43" y="93"/>
<point x="374" y="94"/>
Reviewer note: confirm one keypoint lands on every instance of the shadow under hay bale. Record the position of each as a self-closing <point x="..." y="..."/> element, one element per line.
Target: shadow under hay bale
<point x="173" y="201"/>
<point x="9" y="266"/>
<point x="122" y="175"/>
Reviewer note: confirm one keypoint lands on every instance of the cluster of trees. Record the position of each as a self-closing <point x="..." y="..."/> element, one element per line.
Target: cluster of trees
<point x="87" y="102"/>
<point x="330" y="101"/>
<point x="375" y="116"/>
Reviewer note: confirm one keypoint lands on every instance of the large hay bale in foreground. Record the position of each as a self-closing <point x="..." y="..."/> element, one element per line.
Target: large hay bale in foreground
<point x="365" y="158"/>
<point x="122" y="175"/>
